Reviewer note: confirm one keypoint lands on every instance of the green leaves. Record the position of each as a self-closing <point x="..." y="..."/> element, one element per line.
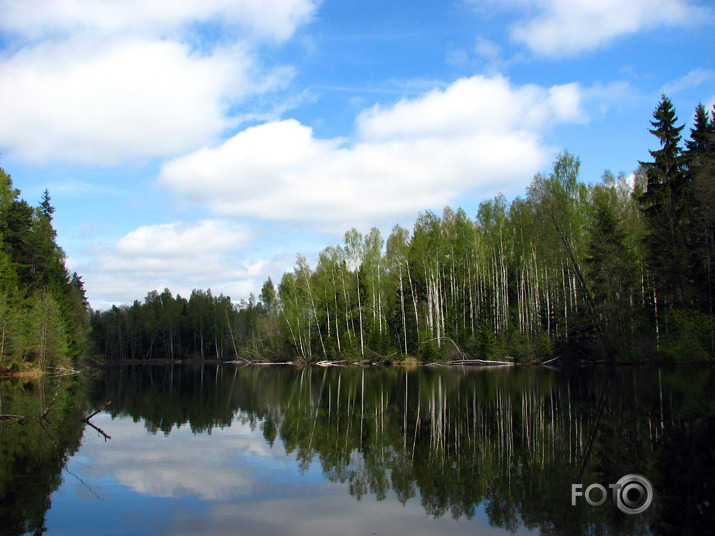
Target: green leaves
<point x="572" y="267"/>
<point x="43" y="312"/>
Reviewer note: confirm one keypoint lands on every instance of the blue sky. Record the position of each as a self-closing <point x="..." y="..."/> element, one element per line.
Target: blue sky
<point x="193" y="144"/>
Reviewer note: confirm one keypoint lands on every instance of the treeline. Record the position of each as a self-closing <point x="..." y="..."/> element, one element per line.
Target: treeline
<point x="43" y="309"/>
<point x="167" y="327"/>
<point x="614" y="270"/>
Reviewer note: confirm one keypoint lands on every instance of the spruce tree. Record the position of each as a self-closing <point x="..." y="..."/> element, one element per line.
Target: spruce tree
<point x="611" y="265"/>
<point x="701" y="167"/>
<point x="664" y="204"/>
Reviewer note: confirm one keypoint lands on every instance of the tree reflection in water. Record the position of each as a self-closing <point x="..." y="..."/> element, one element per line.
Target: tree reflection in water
<point x="33" y="451"/>
<point x="510" y="442"/>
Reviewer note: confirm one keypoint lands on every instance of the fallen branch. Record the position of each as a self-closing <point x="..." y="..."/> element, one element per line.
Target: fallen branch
<point x="47" y="412"/>
<point x="382" y="357"/>
<point x="237" y="362"/>
<point x="551" y="360"/>
<point x="99" y="430"/>
<point x="86" y="419"/>
<point x="461" y="354"/>
<point x="478" y="362"/>
<point x="62" y="371"/>
<point x="18" y="418"/>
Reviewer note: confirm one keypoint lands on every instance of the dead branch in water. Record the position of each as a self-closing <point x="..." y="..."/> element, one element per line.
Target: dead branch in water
<point x="62" y="371"/>
<point x="17" y="418"/>
<point x="272" y="363"/>
<point x="340" y="363"/>
<point x="476" y="362"/>
<point x="106" y="436"/>
<point x="86" y="419"/>
<point x="551" y="360"/>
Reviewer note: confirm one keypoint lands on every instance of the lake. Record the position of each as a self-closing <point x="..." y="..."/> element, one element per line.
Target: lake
<point x="224" y="449"/>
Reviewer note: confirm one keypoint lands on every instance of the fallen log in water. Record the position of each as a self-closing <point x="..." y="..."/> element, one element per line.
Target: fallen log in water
<point x="272" y="363"/>
<point x="551" y="360"/>
<point x="476" y="362"/>
<point x="18" y="418"/>
<point x="62" y="371"/>
<point x="86" y="419"/>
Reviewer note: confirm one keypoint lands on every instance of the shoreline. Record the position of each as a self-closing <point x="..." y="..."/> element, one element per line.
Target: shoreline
<point x="36" y="373"/>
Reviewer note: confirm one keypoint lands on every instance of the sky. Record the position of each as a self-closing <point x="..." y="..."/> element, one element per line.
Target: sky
<point x="194" y="144"/>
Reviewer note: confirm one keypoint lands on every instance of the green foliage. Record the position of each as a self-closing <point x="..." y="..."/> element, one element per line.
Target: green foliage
<point x="33" y="454"/>
<point x="573" y="268"/>
<point x="174" y="328"/>
<point x="691" y="337"/>
<point x="506" y="442"/>
<point x="666" y="204"/>
<point x="611" y="266"/>
<point x="43" y="311"/>
<point x="486" y="341"/>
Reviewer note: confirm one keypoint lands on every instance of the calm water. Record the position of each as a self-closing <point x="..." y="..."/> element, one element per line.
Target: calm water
<point x="280" y="450"/>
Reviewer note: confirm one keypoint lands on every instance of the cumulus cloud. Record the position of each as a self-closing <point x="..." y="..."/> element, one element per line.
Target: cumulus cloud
<point x="566" y="27"/>
<point x="478" y="133"/>
<point x="180" y="256"/>
<point x="101" y="82"/>
<point x="275" y="19"/>
<point x="128" y="99"/>
<point x="209" y="467"/>
<point x="241" y="483"/>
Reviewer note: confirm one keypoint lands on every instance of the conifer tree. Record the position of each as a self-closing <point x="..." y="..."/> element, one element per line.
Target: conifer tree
<point x="611" y="266"/>
<point x="664" y="204"/>
<point x="701" y="166"/>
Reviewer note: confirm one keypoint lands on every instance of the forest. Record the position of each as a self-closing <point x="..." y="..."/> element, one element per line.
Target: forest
<point x="44" y="320"/>
<point x="616" y="270"/>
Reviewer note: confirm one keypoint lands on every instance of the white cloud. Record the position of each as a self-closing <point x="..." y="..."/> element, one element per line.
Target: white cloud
<point x="693" y="79"/>
<point x="276" y="19"/>
<point x="567" y="27"/>
<point x="129" y="99"/>
<point x="180" y="256"/>
<point x="209" y="467"/>
<point x="101" y="82"/>
<point x="479" y="133"/>
<point x="169" y="240"/>
<point x="473" y="105"/>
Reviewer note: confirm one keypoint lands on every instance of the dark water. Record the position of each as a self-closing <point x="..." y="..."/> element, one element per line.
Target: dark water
<point x="280" y="450"/>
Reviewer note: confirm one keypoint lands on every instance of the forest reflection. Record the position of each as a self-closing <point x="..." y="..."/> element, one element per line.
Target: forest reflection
<point x="35" y="447"/>
<point x="513" y="441"/>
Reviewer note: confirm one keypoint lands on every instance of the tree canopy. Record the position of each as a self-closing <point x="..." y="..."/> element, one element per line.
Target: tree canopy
<point x="612" y="269"/>
<point x="43" y="309"/>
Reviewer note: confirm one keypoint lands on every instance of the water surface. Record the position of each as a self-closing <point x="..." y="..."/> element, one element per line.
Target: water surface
<point x="283" y="450"/>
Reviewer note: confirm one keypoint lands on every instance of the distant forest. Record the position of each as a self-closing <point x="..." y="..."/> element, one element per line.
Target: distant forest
<point x="615" y="270"/>
<point x="44" y="320"/>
